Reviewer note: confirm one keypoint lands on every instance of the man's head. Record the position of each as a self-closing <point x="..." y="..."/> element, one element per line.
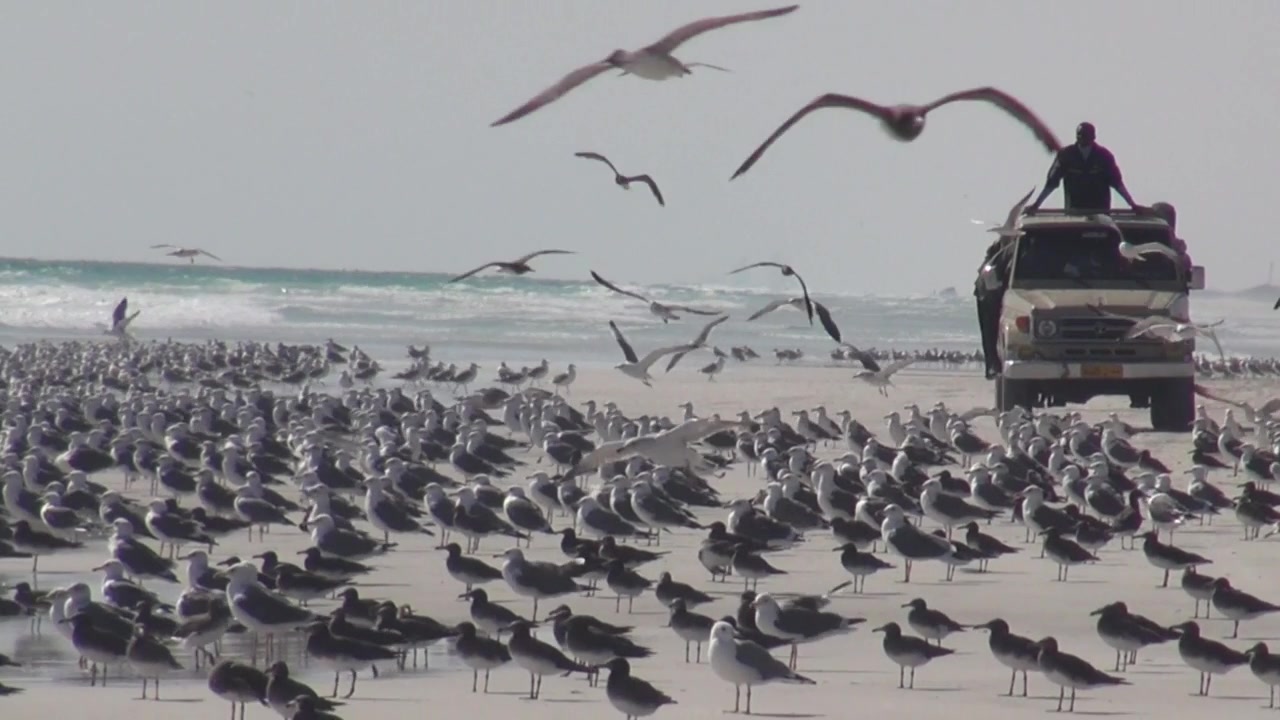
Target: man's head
<point x="1085" y="134"/>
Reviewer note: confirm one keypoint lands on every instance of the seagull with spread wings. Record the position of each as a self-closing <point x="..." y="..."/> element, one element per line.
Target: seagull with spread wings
<point x="787" y="271"/>
<point x="623" y="181"/>
<point x="906" y="122"/>
<point x="698" y="342"/>
<point x="1166" y="328"/>
<point x="652" y="62"/>
<point x="120" y="320"/>
<point x="638" y="367"/>
<point x="665" y="312"/>
<point x="824" y="315"/>
<point x="1011" y="227"/>
<point x="186" y="252"/>
<point x="519" y="266"/>
<point x="669" y="448"/>
<point x="882" y="379"/>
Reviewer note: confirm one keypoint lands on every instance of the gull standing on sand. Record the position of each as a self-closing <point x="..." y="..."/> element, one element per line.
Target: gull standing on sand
<point x="623" y="181"/>
<point x="191" y="253"/>
<point x="537" y="580"/>
<point x="743" y="662"/>
<point x="909" y="542"/>
<point x="652" y="62"/>
<point x="799" y="624"/>
<point x="659" y="310"/>
<point x="907" y="651"/>
<point x="519" y="266"/>
<point x="906" y="122"/>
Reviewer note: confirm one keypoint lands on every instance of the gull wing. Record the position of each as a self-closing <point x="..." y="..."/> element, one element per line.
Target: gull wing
<point x="808" y="304"/>
<point x="976" y="412"/>
<point x="604" y="452"/>
<point x="653" y="186"/>
<point x="780" y="266"/>
<point x="700" y="341"/>
<point x="698" y="428"/>
<point x="209" y="254"/>
<point x="164" y="245"/>
<point x="828" y="324"/>
<point x="771" y="307"/>
<point x="868" y="360"/>
<point x="469" y="273"/>
<point x="627" y="351"/>
<point x="1146" y="325"/>
<point x="1205" y="392"/>
<point x="1209" y="333"/>
<point x="597" y="156"/>
<point x="1010" y="105"/>
<point x="896" y="365"/>
<point x="601" y="281"/>
<point x="555" y="92"/>
<point x="818" y="103"/>
<point x="680" y="35"/>
<point x="526" y="258"/>
<point x="1155" y="248"/>
<point x="692" y="311"/>
<point x="1015" y="213"/>
<point x="654" y="355"/>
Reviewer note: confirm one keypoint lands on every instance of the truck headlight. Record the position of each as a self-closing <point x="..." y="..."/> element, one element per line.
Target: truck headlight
<point x="1046" y="329"/>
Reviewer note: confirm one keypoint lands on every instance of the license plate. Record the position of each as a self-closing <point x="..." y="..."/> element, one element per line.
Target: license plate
<point x="1102" y="372"/>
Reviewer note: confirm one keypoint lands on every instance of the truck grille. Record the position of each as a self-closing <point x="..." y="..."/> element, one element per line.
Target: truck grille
<point x="1092" y="329"/>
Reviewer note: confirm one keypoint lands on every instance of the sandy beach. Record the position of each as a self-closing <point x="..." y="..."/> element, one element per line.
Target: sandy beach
<point x="853" y="676"/>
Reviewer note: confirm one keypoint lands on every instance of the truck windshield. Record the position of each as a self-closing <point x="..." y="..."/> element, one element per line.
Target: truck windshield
<point x="1076" y="256"/>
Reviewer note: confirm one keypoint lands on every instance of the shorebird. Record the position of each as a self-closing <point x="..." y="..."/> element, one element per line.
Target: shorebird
<point x="186" y="252"/>
<point x="1069" y="671"/>
<point x="1208" y="657"/>
<point x="910" y="543"/>
<point x="1265" y="667"/>
<point x="1237" y="605"/>
<point x="906" y="122"/>
<point x="799" y="624"/>
<point x="787" y="271"/>
<point x="908" y="652"/>
<point x="652" y="62"/>
<point x="1127" y="633"/>
<point x="539" y="658"/>
<point x="1012" y="227"/>
<point x="638" y="367"/>
<point x="1169" y="557"/>
<point x="238" y="683"/>
<point x="931" y="624"/>
<point x="824" y="314"/>
<point x="1018" y="653"/>
<point x="743" y="662"/>
<point x="479" y="653"/>
<point x="634" y="697"/>
<point x="664" y="312"/>
<point x="624" y="181"/>
<point x="519" y="266"/>
<point x="694" y="628"/>
<point x="859" y="564"/>
<point x="536" y="579"/>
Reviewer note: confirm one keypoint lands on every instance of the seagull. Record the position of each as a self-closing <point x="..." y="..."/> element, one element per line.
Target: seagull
<point x="652" y="62"/>
<point x="882" y="379"/>
<point x="186" y="252"/>
<point x="787" y="271"/>
<point x="824" y="315"/>
<point x="1133" y="253"/>
<point x="743" y="662"/>
<point x="519" y="266"/>
<point x="698" y="342"/>
<point x="120" y="319"/>
<point x="906" y="122"/>
<point x="623" y="181"/>
<point x="665" y="312"/>
<point x="637" y="367"/>
<point x="1011" y="227"/>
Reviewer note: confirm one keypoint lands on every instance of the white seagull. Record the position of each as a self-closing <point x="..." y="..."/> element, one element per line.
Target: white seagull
<point x="186" y="252"/>
<point x="638" y="367"/>
<point x="882" y="379"/>
<point x="664" y="312"/>
<point x="743" y="662"/>
<point x="1012" y="227"/>
<point x="652" y="62"/>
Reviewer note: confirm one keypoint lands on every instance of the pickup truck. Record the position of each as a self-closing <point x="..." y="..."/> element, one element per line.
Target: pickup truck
<point x="1069" y="301"/>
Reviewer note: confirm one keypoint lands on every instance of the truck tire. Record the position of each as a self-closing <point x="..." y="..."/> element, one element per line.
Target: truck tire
<point x="1173" y="405"/>
<point x="1014" y="393"/>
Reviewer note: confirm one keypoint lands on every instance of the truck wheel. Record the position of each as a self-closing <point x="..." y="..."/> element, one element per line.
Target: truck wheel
<point x="1173" y="405"/>
<point x="1014" y="393"/>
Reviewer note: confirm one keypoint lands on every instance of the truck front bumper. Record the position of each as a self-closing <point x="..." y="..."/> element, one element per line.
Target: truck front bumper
<point x="1042" y="370"/>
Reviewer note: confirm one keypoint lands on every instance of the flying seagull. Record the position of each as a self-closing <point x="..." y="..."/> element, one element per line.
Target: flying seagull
<point x="652" y="62"/>
<point x="1010" y="227"/>
<point x="637" y="367"/>
<point x="698" y="342"/>
<point x="186" y="252"/>
<point x="787" y="271"/>
<point x="623" y="181"/>
<point x="906" y="122"/>
<point x="824" y="315"/>
<point x="519" y="266"/>
<point x="882" y="379"/>
<point x="666" y="312"/>
<point x="120" y="319"/>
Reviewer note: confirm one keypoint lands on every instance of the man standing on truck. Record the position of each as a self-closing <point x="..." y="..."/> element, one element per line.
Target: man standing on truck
<point x="1088" y="172"/>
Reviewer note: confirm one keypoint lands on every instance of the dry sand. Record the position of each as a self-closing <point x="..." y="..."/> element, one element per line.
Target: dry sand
<point x="853" y="675"/>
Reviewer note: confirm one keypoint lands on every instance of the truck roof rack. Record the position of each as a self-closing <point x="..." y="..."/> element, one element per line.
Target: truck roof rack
<point x="1081" y="212"/>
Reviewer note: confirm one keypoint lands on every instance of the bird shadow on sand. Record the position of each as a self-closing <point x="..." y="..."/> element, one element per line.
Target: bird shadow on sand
<point x="563" y="700"/>
<point x="398" y="699"/>
<point x="1095" y="713"/>
<point x="171" y="700"/>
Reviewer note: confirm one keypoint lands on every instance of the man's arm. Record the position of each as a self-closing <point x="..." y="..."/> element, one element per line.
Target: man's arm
<point x="1050" y="183"/>
<point x="1117" y="181"/>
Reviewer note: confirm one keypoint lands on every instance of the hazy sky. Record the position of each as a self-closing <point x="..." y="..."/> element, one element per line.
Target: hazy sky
<point x="356" y="134"/>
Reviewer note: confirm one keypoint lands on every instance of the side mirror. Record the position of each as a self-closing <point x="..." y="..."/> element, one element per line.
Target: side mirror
<point x="1197" y="277"/>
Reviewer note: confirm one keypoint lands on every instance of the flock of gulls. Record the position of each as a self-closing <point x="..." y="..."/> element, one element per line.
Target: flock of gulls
<point x="154" y="480"/>
<point x="154" y="464"/>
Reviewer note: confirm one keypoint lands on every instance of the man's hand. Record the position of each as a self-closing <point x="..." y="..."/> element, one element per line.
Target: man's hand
<point x="1030" y="209"/>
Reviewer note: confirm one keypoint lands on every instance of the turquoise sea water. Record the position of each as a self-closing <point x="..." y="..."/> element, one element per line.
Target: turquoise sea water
<point x="486" y="318"/>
